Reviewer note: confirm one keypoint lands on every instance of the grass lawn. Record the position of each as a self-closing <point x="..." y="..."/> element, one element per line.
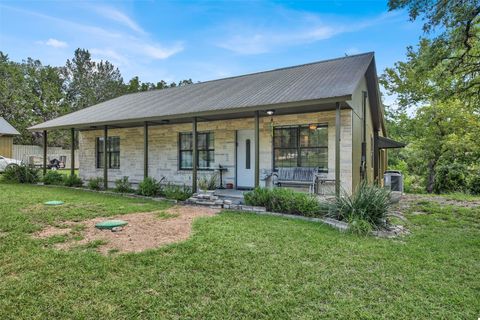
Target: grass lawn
<point x="237" y="266"/>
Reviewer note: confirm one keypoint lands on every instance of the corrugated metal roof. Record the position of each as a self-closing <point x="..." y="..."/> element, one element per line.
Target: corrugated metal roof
<point x="7" y="129"/>
<point x="314" y="81"/>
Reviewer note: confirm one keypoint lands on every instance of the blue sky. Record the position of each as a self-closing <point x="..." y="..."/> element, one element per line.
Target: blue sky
<point x="203" y="40"/>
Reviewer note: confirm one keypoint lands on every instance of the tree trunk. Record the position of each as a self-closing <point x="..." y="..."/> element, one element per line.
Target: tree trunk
<point x="431" y="176"/>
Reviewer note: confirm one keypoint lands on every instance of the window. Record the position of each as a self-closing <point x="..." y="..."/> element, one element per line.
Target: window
<point x="205" y="150"/>
<point x="247" y="156"/>
<point x="113" y="152"/>
<point x="301" y="146"/>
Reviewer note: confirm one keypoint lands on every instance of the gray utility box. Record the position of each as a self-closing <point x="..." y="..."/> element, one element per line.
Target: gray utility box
<point x="393" y="180"/>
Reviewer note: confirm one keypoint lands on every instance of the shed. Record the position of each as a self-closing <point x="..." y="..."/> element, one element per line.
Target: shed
<point x="7" y="132"/>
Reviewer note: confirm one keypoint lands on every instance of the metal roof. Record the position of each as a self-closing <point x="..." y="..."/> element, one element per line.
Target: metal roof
<point x="6" y="129"/>
<point x="334" y="78"/>
<point x="387" y="143"/>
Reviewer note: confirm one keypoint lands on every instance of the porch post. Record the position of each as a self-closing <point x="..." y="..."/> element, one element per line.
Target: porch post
<point x="145" y="150"/>
<point x="375" y="157"/>
<point x="257" y="149"/>
<point x="337" y="149"/>
<point x="105" y="158"/>
<point x="44" y="152"/>
<point x="194" y="154"/>
<point x="72" y="152"/>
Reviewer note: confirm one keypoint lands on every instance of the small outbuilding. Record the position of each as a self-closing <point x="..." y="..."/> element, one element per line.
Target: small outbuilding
<point x="7" y="132"/>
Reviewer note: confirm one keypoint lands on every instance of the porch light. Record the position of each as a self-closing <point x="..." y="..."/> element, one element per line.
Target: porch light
<point x="270" y="112"/>
<point x="312" y="126"/>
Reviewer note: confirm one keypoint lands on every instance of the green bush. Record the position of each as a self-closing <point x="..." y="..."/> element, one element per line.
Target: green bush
<point x="369" y="203"/>
<point x="474" y="184"/>
<point x="208" y="183"/>
<point x="95" y="183"/>
<point x="72" y="181"/>
<point x="450" y="178"/>
<point x="286" y="201"/>
<point x="53" y="177"/>
<point x="359" y="226"/>
<point x="123" y="185"/>
<point x="21" y="174"/>
<point x="180" y="193"/>
<point x="149" y="187"/>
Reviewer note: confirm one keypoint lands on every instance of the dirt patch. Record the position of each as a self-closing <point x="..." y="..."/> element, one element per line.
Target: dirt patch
<point x="411" y="199"/>
<point x="51" y="231"/>
<point x="144" y="230"/>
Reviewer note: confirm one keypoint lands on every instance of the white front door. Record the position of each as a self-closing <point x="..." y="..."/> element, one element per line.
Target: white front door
<point x="245" y="158"/>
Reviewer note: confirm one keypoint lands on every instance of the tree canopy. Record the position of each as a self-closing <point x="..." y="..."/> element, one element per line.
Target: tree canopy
<point x="438" y="95"/>
<point x="446" y="62"/>
<point x="31" y="92"/>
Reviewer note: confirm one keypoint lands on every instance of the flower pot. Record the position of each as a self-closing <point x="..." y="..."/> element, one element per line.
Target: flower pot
<point x="229" y="185"/>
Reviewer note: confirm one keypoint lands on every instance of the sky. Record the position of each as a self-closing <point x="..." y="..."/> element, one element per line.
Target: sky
<point x="204" y="40"/>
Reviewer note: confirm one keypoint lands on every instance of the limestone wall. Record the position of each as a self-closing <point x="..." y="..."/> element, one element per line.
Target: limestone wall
<point x="163" y="147"/>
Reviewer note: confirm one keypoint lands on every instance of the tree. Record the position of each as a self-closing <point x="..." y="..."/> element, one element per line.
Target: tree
<point x="89" y="83"/>
<point x="79" y="76"/>
<point x="29" y="93"/>
<point x="446" y="62"/>
<point x="438" y="135"/>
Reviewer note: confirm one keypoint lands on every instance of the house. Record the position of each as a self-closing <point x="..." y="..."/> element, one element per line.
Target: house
<point x="326" y="114"/>
<point x="7" y="132"/>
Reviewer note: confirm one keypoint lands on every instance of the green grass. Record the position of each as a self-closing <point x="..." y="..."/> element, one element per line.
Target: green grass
<point x="238" y="266"/>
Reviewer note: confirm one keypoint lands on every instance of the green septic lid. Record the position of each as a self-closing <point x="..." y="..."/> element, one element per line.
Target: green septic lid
<point x="54" y="203"/>
<point x="110" y="224"/>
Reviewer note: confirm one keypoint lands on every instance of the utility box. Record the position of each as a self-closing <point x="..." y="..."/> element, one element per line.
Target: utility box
<point x="393" y="180"/>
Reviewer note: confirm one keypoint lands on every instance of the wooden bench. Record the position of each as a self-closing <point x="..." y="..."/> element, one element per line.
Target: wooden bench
<point x="297" y="176"/>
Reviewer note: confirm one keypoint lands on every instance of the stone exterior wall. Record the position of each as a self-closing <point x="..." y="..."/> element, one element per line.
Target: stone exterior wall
<point x="163" y="147"/>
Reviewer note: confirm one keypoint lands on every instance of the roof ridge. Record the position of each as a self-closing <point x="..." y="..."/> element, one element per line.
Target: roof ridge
<point x="261" y="72"/>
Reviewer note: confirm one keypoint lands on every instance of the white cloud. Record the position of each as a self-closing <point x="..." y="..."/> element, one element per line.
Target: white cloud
<point x="308" y="28"/>
<point x="54" y="43"/>
<point x="110" y="55"/>
<point x="116" y="15"/>
<point x="108" y="44"/>
<point x="159" y="52"/>
<point x="264" y="41"/>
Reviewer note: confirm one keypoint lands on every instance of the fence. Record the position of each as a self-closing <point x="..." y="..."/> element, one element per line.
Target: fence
<point x="32" y="153"/>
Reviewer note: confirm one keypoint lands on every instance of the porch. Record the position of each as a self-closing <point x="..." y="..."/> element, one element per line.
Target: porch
<point x="230" y="146"/>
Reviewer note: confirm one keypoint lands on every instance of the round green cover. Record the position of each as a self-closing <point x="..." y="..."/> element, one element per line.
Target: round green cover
<point x="53" y="203"/>
<point x="110" y="224"/>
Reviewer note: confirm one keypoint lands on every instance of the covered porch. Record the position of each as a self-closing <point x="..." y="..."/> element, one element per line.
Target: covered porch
<point x="243" y="145"/>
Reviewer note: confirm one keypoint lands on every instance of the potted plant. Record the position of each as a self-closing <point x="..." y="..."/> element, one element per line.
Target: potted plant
<point x="208" y="185"/>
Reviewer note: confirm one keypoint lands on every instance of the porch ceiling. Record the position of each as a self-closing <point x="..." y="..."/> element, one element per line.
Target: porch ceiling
<point x="215" y="116"/>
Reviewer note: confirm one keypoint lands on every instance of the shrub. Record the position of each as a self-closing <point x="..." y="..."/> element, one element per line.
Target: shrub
<point x="369" y="203"/>
<point x="123" y="185"/>
<point x="21" y="174"/>
<point x="450" y="178"/>
<point x="180" y="193"/>
<point x="72" y="181"/>
<point x="474" y="184"/>
<point x="359" y="226"/>
<point x="95" y="183"/>
<point x="53" y="177"/>
<point x="149" y="187"/>
<point x="208" y="183"/>
<point x="286" y="201"/>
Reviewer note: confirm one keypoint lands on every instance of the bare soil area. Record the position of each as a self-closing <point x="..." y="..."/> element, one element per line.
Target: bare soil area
<point x="144" y="230"/>
<point x="408" y="200"/>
